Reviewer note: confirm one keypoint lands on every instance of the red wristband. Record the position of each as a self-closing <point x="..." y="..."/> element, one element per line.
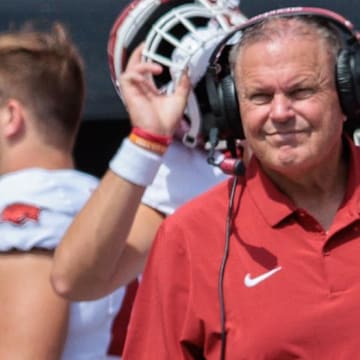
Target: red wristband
<point x="155" y="138"/>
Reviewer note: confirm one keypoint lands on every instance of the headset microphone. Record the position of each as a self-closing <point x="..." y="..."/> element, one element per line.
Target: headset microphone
<point x="228" y="165"/>
<point x="232" y="166"/>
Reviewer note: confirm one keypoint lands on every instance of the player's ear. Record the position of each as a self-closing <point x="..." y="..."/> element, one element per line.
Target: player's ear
<point x="12" y="118"/>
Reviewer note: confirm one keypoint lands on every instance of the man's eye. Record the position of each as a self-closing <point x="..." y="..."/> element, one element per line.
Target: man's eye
<point x="302" y="93"/>
<point x="260" y="99"/>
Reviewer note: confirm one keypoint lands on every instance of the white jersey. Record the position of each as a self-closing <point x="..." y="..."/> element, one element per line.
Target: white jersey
<point x="36" y="207"/>
<point x="183" y="175"/>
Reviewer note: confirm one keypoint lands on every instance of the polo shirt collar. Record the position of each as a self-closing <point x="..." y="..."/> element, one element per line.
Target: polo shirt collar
<point x="276" y="206"/>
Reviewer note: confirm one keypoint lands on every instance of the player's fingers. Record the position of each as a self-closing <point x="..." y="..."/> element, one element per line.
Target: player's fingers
<point x="183" y="85"/>
<point x="135" y="56"/>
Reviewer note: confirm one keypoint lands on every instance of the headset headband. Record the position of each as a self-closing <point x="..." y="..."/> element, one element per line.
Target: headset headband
<point x="337" y="19"/>
<point x="299" y="10"/>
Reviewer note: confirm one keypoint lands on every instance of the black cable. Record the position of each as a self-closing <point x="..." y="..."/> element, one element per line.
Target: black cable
<point x="213" y="141"/>
<point x="229" y="219"/>
<point x="236" y="167"/>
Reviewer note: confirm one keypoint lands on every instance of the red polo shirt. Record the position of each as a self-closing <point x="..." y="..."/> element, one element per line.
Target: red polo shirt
<point x="291" y="289"/>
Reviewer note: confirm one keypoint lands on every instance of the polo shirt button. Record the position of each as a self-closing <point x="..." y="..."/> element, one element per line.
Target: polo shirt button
<point x="326" y="253"/>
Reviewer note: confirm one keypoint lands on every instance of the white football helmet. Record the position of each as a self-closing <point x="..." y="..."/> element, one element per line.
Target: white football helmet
<point x="179" y="35"/>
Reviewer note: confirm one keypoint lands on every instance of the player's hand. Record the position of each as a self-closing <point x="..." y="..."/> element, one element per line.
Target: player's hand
<point x="148" y="107"/>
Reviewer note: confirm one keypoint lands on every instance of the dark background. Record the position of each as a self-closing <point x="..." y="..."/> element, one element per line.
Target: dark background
<point x="105" y="120"/>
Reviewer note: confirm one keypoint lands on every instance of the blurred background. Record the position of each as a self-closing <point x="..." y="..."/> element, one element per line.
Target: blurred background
<point x="105" y="120"/>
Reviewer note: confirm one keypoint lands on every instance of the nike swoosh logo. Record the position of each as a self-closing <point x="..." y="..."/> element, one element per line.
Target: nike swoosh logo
<point x="250" y="282"/>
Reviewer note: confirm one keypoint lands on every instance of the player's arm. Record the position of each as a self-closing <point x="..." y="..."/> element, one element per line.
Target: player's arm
<point x="96" y="254"/>
<point x="99" y="259"/>
<point x="34" y="319"/>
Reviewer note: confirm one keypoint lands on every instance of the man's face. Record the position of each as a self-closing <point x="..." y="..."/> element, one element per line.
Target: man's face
<point x="289" y="106"/>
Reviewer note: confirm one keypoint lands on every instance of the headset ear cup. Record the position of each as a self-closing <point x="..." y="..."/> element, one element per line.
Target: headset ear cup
<point x="223" y="106"/>
<point x="344" y="82"/>
<point x="348" y="85"/>
<point x="213" y="95"/>
<point x="215" y="114"/>
<point x="230" y="107"/>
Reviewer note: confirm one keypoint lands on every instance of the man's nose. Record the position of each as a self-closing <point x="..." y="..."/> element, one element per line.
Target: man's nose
<point x="281" y="108"/>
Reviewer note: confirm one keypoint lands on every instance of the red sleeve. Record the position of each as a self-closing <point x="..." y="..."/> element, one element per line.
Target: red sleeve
<point x="162" y="312"/>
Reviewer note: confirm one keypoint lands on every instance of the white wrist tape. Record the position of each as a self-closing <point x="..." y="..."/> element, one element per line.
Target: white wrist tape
<point x="135" y="164"/>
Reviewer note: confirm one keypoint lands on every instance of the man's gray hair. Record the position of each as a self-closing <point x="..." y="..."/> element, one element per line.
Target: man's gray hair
<point x="278" y="26"/>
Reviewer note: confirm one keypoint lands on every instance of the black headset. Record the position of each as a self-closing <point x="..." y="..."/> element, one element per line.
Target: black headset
<point x="220" y="108"/>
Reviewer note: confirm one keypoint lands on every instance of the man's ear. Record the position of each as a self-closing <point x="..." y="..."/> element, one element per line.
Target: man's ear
<point x="12" y="118"/>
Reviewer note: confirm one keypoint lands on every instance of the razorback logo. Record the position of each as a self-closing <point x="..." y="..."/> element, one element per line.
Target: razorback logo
<point x="20" y="213"/>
